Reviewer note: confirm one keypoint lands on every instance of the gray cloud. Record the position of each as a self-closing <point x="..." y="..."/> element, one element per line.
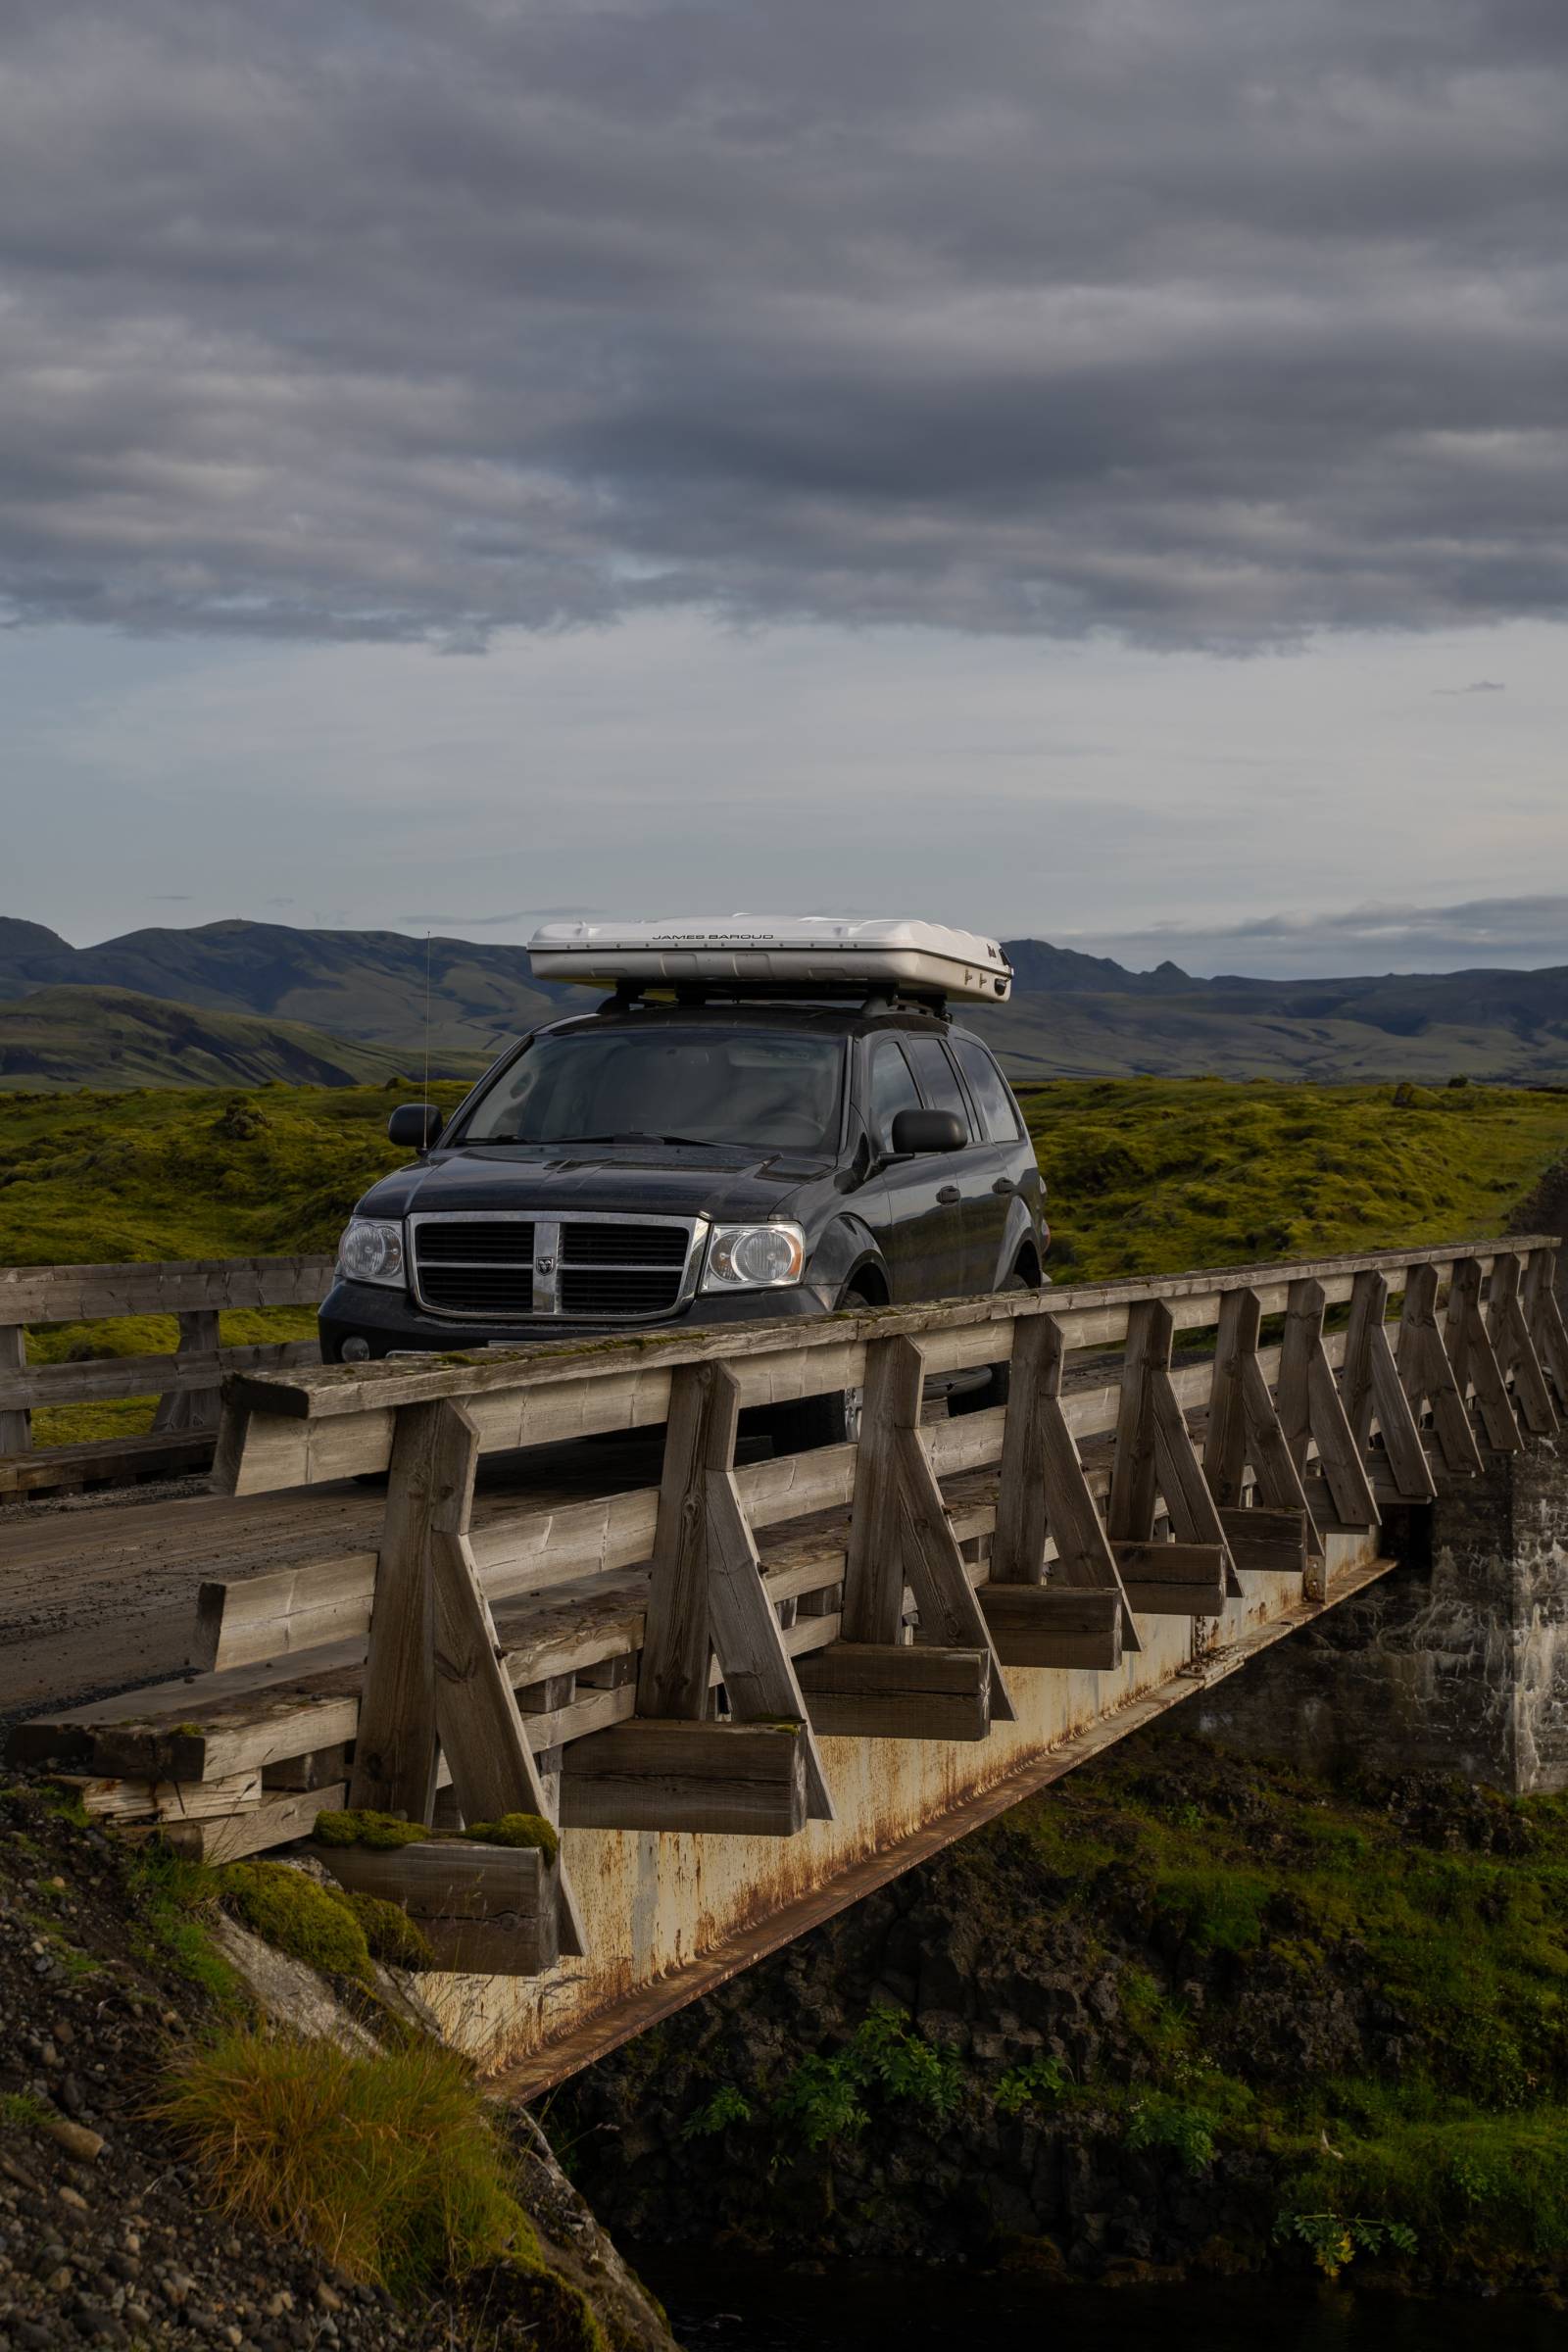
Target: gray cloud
<point x="1476" y="686"/>
<point x="1510" y="932"/>
<point x="1206" y="324"/>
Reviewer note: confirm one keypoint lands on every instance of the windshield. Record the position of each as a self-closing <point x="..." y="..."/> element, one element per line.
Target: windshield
<point x="701" y="1085"/>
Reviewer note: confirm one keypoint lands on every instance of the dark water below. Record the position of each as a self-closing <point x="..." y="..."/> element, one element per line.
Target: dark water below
<point x="729" y="2306"/>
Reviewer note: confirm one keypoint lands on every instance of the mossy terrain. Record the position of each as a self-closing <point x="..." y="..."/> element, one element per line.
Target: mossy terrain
<point x="96" y="1179"/>
<point x="1149" y="1176"/>
<point x="1182" y="2011"/>
<point x="1144" y="1176"/>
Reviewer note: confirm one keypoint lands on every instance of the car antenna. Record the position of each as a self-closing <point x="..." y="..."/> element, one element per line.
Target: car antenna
<point x="426" y="1089"/>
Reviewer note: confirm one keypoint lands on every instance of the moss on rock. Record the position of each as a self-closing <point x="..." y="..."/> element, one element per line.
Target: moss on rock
<point x="291" y="1912"/>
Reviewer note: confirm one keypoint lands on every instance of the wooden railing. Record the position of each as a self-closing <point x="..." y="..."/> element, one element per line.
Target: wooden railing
<point x="667" y="1655"/>
<point x="186" y="1381"/>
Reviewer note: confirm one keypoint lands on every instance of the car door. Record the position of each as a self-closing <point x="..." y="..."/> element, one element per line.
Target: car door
<point x="974" y="1169"/>
<point x="924" y="1239"/>
<point x="989" y="1201"/>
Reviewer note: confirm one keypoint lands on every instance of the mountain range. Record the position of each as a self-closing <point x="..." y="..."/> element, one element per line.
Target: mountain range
<point x="266" y="1000"/>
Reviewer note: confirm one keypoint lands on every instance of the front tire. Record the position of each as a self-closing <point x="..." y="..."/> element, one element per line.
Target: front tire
<point x="812" y="1422"/>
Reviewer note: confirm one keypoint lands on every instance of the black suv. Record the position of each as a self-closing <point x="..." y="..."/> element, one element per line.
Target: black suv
<point x="702" y="1163"/>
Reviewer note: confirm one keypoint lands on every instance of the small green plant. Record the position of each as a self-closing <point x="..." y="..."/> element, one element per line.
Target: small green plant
<point x="727" y="2106"/>
<point x="1158" y="2121"/>
<point x="1335" y="2239"/>
<point x="1038" y="2082"/>
<point x="821" y="2097"/>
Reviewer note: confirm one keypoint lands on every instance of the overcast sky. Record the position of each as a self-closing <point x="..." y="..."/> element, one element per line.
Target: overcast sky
<point x="1089" y="467"/>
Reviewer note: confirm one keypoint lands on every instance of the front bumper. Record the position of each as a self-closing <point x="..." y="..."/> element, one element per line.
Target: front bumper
<point x="389" y="1323"/>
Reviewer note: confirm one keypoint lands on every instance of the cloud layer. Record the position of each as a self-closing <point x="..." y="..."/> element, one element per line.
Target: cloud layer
<point x="1203" y="321"/>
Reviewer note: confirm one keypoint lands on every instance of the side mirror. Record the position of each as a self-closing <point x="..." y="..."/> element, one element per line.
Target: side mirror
<point x="415" y="1126"/>
<point x="917" y="1132"/>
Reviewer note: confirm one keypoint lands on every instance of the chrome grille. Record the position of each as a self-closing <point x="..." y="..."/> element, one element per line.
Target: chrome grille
<point x="526" y="1269"/>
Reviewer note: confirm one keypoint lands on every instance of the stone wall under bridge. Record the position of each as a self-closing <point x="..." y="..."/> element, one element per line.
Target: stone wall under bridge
<point x="1455" y="1662"/>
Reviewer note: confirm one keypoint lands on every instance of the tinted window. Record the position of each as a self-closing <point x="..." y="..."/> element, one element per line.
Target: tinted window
<point x="938" y="1082"/>
<point x="892" y="1090"/>
<point x="998" y="1112"/>
<point x="710" y="1085"/>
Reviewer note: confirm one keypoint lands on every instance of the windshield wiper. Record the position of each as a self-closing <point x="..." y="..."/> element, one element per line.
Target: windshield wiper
<point x="625" y="1134"/>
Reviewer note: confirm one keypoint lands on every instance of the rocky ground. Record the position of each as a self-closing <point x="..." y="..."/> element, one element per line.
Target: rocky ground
<point x="107" y="2237"/>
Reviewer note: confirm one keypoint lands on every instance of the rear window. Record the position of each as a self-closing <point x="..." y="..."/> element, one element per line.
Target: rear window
<point x="938" y="1082"/>
<point x="999" y="1113"/>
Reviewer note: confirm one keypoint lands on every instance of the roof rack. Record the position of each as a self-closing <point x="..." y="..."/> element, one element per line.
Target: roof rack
<point x="869" y="996"/>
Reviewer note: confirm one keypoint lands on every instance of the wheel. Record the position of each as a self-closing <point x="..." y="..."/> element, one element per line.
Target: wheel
<point x="991" y="1392"/>
<point x="812" y="1422"/>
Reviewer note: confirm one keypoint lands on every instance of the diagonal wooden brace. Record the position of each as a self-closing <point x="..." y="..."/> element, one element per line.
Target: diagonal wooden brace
<point x="1508" y="1330"/>
<point x="1474" y="1359"/>
<point x="1042" y="1489"/>
<point x="1369" y="1385"/>
<point x="1154" y="1453"/>
<point x="706" y="1592"/>
<point x="1543" y="1314"/>
<point x="1311" y="1411"/>
<point x="1427" y="1376"/>
<point x="899" y="1532"/>
<point x="1245" y="1428"/>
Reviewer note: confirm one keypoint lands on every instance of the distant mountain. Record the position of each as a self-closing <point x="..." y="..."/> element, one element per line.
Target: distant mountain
<point x="60" y="1038"/>
<point x="1071" y="1014"/>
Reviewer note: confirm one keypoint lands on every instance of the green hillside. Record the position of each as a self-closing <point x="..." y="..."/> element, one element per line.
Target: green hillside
<point x="1071" y="1016"/>
<point x="110" y="1038"/>
<point x="1144" y="1176"/>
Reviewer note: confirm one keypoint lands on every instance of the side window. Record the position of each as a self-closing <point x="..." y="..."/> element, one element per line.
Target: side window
<point x="999" y="1113"/>
<point x="892" y="1090"/>
<point x="938" y="1083"/>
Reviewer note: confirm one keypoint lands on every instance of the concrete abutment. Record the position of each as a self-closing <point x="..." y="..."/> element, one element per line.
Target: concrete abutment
<point x="1455" y="1662"/>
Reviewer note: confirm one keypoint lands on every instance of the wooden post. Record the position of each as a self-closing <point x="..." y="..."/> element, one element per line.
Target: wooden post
<point x="672" y="1679"/>
<point x="16" y="1424"/>
<point x="1472" y="1357"/>
<point x="194" y="1408"/>
<point x="477" y="1717"/>
<point x="1543" y="1314"/>
<point x="1225" y="1445"/>
<point x="1130" y="1512"/>
<point x="707" y="1593"/>
<point x="1154" y="1453"/>
<point x="395" y="1744"/>
<point x="1369" y="1386"/>
<point x="899" y="1527"/>
<point x="873" y="1568"/>
<point x="1311" y="1411"/>
<point x="1427" y="1376"/>
<point x="1508" y="1330"/>
<point x="1043" y="1488"/>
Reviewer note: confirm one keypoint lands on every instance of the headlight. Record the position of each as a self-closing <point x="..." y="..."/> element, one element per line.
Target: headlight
<point x="372" y="1251"/>
<point x="754" y="1258"/>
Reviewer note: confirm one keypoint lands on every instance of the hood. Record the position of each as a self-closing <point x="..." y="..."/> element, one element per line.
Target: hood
<point x="659" y="1180"/>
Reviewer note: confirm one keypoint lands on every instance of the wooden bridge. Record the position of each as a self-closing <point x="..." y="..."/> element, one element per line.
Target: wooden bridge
<point x="747" y="1686"/>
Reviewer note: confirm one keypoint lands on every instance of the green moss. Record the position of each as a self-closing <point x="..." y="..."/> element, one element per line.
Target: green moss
<point x="391" y="1935"/>
<point x="21" y="2112"/>
<point x="295" y="1915"/>
<point x="518" y="1829"/>
<point x="381" y="1831"/>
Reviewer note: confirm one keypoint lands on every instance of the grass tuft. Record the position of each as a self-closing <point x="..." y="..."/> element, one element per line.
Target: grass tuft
<point x="387" y="2165"/>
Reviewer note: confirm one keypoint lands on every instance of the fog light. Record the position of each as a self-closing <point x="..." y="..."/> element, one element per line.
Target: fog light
<point x="355" y="1351"/>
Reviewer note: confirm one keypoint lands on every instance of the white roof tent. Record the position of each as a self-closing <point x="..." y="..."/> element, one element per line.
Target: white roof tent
<point x="776" y="955"/>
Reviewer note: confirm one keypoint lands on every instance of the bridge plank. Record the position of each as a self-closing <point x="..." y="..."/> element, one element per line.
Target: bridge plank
<point x="673" y="1678"/>
<point x="1546" y="1320"/>
<point x="394" y="1757"/>
<point x="710" y="1779"/>
<point x="898" y="1690"/>
<point x="1057" y="1626"/>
